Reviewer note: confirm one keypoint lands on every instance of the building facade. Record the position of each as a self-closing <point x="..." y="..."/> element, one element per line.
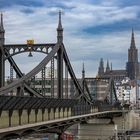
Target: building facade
<point x="126" y="91"/>
<point x="132" y="69"/>
<point x="117" y="75"/>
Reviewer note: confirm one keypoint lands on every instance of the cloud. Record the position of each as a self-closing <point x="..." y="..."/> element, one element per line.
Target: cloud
<point x="29" y="3"/>
<point x="91" y="29"/>
<point x="93" y="15"/>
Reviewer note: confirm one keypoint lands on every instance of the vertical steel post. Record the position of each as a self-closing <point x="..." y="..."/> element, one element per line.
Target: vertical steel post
<point x="11" y="73"/>
<point x="52" y="77"/>
<point x="43" y="80"/>
<point x="2" y="62"/>
<point x="11" y="77"/>
<point x="60" y="72"/>
<point x="111" y="92"/>
<point x="66" y="82"/>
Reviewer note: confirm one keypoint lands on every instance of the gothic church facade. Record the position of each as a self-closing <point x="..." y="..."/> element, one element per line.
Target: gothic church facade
<point x="132" y="66"/>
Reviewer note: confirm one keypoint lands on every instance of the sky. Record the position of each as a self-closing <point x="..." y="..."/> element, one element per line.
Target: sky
<point x="93" y="29"/>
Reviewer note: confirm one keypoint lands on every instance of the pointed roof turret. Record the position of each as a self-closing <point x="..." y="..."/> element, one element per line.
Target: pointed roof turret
<point x="83" y="71"/>
<point x="83" y="77"/>
<point x="111" y="66"/>
<point x="107" y="66"/>
<point x="101" y="67"/>
<point x="59" y="29"/>
<point x="1" y="23"/>
<point x="59" y="21"/>
<point x="132" y="40"/>
<point x="101" y="62"/>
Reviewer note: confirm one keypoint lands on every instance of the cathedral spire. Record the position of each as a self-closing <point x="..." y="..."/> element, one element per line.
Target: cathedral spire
<point x="132" y="66"/>
<point x="132" y="40"/>
<point x="1" y="23"/>
<point x="59" y="30"/>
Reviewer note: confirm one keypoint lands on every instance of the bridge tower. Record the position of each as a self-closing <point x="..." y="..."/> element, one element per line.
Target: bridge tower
<point x="83" y="77"/>
<point x="2" y="63"/>
<point x="60" y="57"/>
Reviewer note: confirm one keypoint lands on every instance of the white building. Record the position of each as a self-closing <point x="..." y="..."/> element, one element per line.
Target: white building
<point x="128" y="91"/>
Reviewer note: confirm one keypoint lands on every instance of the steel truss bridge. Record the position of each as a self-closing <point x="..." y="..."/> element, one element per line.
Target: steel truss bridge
<point x="24" y="110"/>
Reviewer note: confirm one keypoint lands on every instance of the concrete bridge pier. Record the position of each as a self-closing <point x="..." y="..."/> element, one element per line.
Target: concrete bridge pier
<point x="105" y="129"/>
<point x="96" y="131"/>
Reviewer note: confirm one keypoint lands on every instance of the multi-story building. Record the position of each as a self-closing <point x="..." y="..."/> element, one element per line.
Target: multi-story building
<point x="123" y="90"/>
<point x="46" y="88"/>
<point x="97" y="87"/>
<point x="128" y="91"/>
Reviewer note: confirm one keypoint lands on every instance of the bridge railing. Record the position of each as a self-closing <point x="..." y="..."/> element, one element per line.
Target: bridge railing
<point x="81" y="109"/>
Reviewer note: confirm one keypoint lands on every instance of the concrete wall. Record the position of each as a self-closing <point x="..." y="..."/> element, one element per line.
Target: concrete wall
<point x="51" y="114"/>
<point x="32" y="116"/>
<point x="131" y="119"/>
<point x="15" y="118"/>
<point x="69" y="112"/>
<point x="24" y="117"/>
<point x="46" y="115"/>
<point x="102" y="129"/>
<point x="57" y="113"/>
<point x="95" y="131"/>
<point x="4" y="119"/>
<point x="61" y="113"/>
<point x="39" y="115"/>
<point x="134" y="138"/>
<point x="65" y="112"/>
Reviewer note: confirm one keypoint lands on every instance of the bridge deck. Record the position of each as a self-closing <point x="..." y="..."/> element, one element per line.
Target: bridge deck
<point x="58" y="121"/>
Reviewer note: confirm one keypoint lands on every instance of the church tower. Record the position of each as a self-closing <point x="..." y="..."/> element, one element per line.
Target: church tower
<point x="107" y="67"/>
<point x="101" y="68"/>
<point x="132" y="64"/>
